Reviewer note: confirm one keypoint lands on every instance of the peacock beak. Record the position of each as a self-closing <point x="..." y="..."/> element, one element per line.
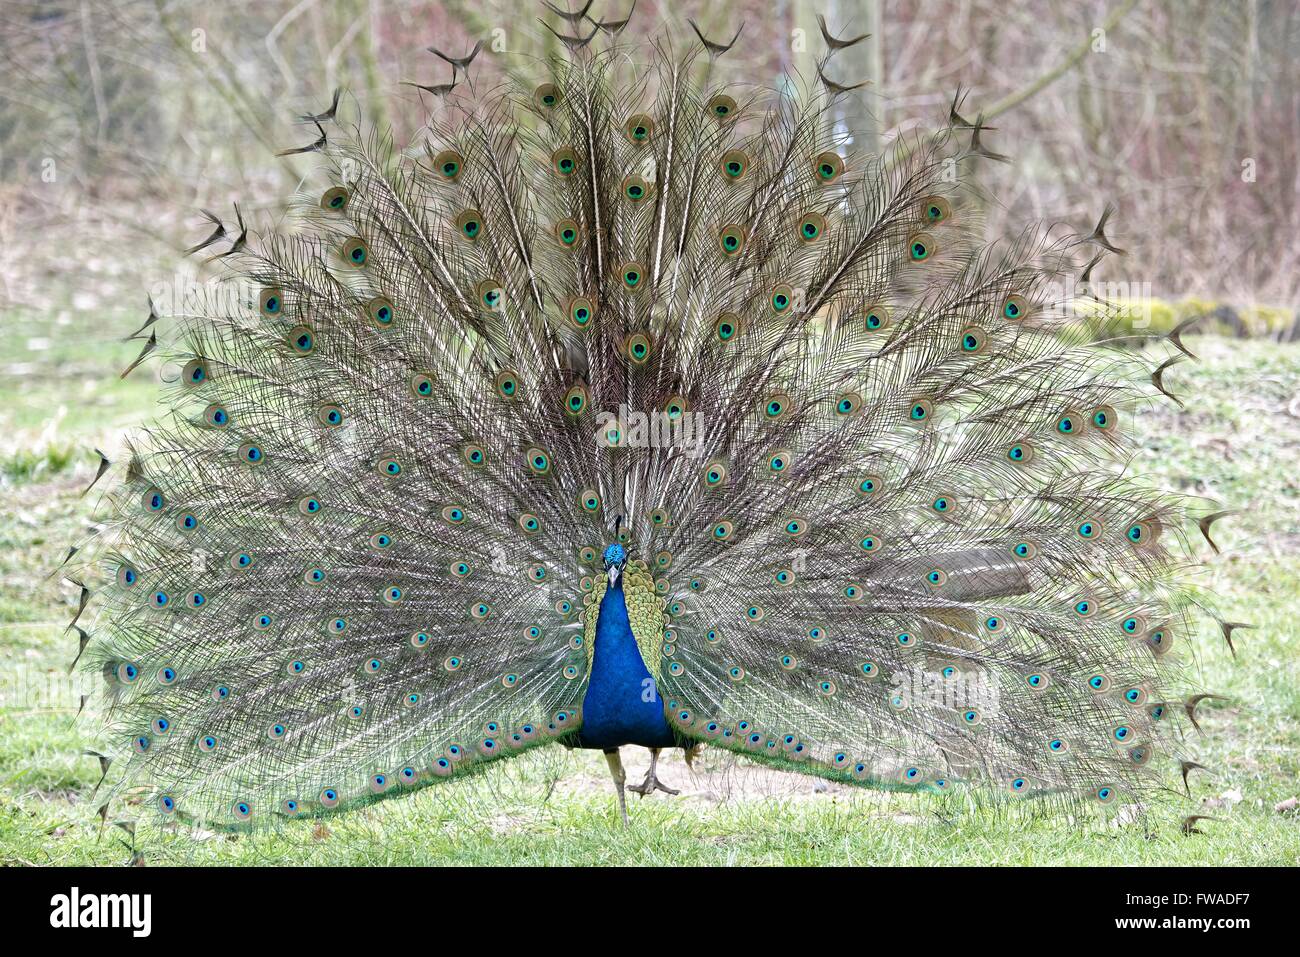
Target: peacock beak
<point x="613" y="572"/>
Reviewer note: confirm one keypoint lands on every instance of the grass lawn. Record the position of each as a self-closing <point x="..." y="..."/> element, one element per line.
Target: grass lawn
<point x="1238" y="441"/>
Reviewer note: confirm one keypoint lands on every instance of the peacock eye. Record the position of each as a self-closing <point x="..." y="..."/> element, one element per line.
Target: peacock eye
<point x="631" y="274"/>
<point x="779" y="461"/>
<point x="721" y="106"/>
<point x="567" y="232"/>
<point x="490" y="295"/>
<point x="575" y="400"/>
<point x="675" y="407"/>
<point x="381" y="312"/>
<point x="547" y="96"/>
<point x="271" y="301"/>
<point x="1014" y="308"/>
<point x="538" y="460"/>
<point x="973" y="340"/>
<point x="469" y="223"/>
<point x="727" y="326"/>
<point x="355" y="252"/>
<point x="827" y="167"/>
<point x="1103" y="418"/>
<point x="847" y="404"/>
<point x="564" y="162"/>
<point x="921" y="247"/>
<point x="869" y="485"/>
<point x="421" y="385"/>
<point x="935" y="209"/>
<point x="734" y="164"/>
<point x="449" y="164"/>
<point x="731" y="239"/>
<point x="635" y="188"/>
<point x="639" y="128"/>
<point x="335" y="199"/>
<point x="810" y="227"/>
<point x="216" y="416"/>
<point x="581" y="311"/>
<point x="715" y="475"/>
<point x="776" y="405"/>
<point x="195" y="373"/>
<point x="1022" y="453"/>
<point x="781" y="298"/>
<point x="507" y="383"/>
<point x="877" y="318"/>
<point x="1068" y="423"/>
<point x="638" y="348"/>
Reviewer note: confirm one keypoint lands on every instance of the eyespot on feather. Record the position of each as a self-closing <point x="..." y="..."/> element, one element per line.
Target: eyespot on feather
<point x="827" y="167"/>
<point x="335" y="199"/>
<point x="547" y="97"/>
<point x="639" y="129"/>
<point x="721" y="107"/>
<point x="734" y="164"/>
<point x="935" y="209"/>
<point x="355" y="252"/>
<point x="449" y="164"/>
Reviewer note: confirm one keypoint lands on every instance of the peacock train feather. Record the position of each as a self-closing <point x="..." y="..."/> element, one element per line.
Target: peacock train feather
<point x="628" y="387"/>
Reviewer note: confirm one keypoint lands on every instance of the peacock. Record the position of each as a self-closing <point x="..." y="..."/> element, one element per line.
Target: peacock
<point x="629" y="407"/>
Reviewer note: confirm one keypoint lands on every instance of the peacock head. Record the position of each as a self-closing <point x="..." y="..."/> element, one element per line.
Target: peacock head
<point x="615" y="559"/>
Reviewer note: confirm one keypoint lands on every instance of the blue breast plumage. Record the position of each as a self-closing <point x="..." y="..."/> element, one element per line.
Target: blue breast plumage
<point x="622" y="705"/>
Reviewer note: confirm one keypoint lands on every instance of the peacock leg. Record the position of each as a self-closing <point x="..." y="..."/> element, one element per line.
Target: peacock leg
<point x="620" y="776"/>
<point x="652" y="783"/>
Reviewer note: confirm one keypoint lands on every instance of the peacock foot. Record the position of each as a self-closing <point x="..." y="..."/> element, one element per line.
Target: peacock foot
<point x="651" y="784"/>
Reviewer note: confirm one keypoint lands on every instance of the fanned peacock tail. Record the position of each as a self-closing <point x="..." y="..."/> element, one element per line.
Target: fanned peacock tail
<point x="869" y="471"/>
